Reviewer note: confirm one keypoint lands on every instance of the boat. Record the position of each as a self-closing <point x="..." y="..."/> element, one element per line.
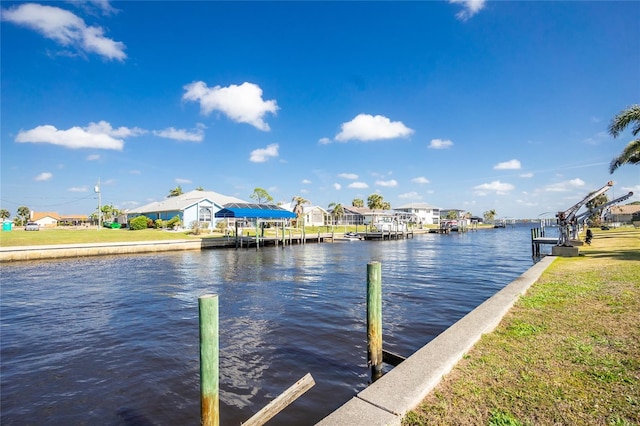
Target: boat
<point x="352" y="236"/>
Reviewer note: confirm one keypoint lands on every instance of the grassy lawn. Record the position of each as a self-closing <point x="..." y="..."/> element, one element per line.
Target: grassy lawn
<point x="568" y="353"/>
<point x="18" y="237"/>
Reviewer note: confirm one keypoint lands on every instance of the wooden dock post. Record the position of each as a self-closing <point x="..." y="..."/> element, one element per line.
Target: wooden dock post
<point x="281" y="402"/>
<point x="374" y="319"/>
<point x="209" y="360"/>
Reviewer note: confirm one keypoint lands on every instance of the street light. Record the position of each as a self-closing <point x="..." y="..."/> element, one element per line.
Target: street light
<point x="96" y="189"/>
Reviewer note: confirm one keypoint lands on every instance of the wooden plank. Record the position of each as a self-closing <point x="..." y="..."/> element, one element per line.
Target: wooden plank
<point x="392" y="358"/>
<point x="282" y="401"/>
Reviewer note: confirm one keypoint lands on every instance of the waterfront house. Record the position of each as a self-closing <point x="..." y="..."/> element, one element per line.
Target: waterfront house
<point x="624" y="214"/>
<point x="313" y="215"/>
<point x="193" y="206"/>
<point x="45" y="219"/>
<point x="424" y="213"/>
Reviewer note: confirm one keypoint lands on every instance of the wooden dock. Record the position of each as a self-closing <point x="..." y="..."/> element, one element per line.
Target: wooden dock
<point x="386" y="235"/>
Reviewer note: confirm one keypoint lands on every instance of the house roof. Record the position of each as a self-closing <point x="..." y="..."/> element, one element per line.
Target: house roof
<point x="183" y="201"/>
<point x="626" y="209"/>
<point x="415" y="206"/>
<point x="254" y="211"/>
<point x="41" y="215"/>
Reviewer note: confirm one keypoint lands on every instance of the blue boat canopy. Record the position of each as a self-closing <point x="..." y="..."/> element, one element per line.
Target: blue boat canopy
<point x="254" y="211"/>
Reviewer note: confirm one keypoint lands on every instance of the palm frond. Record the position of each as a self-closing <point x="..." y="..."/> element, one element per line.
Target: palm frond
<point x="623" y="119"/>
<point x="630" y="155"/>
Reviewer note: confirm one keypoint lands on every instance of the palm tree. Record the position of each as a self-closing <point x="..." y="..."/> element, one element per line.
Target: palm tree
<point x="357" y="202"/>
<point x="298" y="209"/>
<point x="489" y="215"/>
<point x="338" y="211"/>
<point x="23" y="214"/>
<point x="175" y="192"/>
<point x="631" y="153"/>
<point x="4" y="214"/>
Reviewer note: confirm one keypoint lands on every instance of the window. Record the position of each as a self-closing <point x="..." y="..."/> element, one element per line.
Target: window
<point x="205" y="214"/>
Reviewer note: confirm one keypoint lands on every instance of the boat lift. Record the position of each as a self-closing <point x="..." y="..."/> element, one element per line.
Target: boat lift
<point x="567" y="218"/>
<point x="584" y="217"/>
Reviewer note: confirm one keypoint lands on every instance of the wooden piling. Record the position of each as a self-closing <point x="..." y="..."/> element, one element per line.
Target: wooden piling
<point x="209" y="360"/>
<point x="281" y="402"/>
<point x="374" y="318"/>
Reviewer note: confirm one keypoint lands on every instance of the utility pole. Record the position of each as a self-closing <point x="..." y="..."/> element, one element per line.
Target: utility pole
<point x="96" y="189"/>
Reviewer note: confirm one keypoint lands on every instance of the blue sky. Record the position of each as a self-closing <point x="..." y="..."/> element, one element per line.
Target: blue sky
<point x="471" y="105"/>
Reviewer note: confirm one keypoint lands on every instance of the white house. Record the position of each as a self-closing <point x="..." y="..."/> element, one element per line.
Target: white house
<point x="193" y="206"/>
<point x="424" y="213"/>
<point x="313" y="215"/>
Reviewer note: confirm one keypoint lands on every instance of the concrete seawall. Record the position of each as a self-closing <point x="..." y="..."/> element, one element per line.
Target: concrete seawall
<point x="402" y="389"/>
<point x="8" y="254"/>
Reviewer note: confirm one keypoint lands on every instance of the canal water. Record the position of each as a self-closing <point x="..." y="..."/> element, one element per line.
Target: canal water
<point x="114" y="340"/>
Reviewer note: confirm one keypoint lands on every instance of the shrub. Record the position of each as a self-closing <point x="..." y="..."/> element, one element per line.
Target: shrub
<point x="137" y="223"/>
<point x="173" y="222"/>
<point x="159" y="224"/>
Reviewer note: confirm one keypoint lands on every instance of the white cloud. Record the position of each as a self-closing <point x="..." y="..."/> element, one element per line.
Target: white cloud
<point x="410" y="195"/>
<point x="420" y="179"/>
<point x="337" y="186"/>
<point x="387" y="183"/>
<point x="304" y="191"/>
<point x="440" y="144"/>
<point x="471" y="7"/>
<point x="565" y="186"/>
<point x="44" y="176"/>
<point x="526" y="175"/>
<point x="65" y="28"/>
<point x="180" y="134"/>
<point x="496" y="186"/>
<point x="358" y="185"/>
<point x="306" y="181"/>
<point x="242" y="104"/>
<point x="348" y="176"/>
<point x="263" y="154"/>
<point x="93" y="157"/>
<point x="181" y="180"/>
<point x="365" y="127"/>
<point x="508" y="165"/>
<point x="78" y="189"/>
<point x="324" y="141"/>
<point x="96" y="135"/>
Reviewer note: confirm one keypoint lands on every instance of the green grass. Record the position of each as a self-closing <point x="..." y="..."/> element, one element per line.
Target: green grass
<point x="18" y="237"/>
<point x="46" y="236"/>
<point x="568" y="352"/>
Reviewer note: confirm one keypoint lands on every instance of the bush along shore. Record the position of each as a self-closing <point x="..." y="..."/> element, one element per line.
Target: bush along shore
<point x="568" y="353"/>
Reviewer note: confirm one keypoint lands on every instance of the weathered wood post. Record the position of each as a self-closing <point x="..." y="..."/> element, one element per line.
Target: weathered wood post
<point x="374" y="319"/>
<point x="209" y="360"/>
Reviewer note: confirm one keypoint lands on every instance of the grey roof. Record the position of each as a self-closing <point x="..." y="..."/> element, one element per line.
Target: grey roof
<point x="183" y="201"/>
<point x="415" y="206"/>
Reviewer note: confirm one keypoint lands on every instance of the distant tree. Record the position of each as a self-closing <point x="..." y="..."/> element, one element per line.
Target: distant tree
<point x="24" y="213"/>
<point x="4" y="214"/>
<point x="489" y="215"/>
<point x="600" y="200"/>
<point x="298" y="208"/>
<point x="337" y="212"/>
<point x="357" y="202"/>
<point x="631" y="153"/>
<point x="452" y="215"/>
<point x="175" y="192"/>
<point x="108" y="212"/>
<point x="261" y="196"/>
<point x="386" y="205"/>
<point x="199" y="188"/>
<point x="375" y="202"/>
